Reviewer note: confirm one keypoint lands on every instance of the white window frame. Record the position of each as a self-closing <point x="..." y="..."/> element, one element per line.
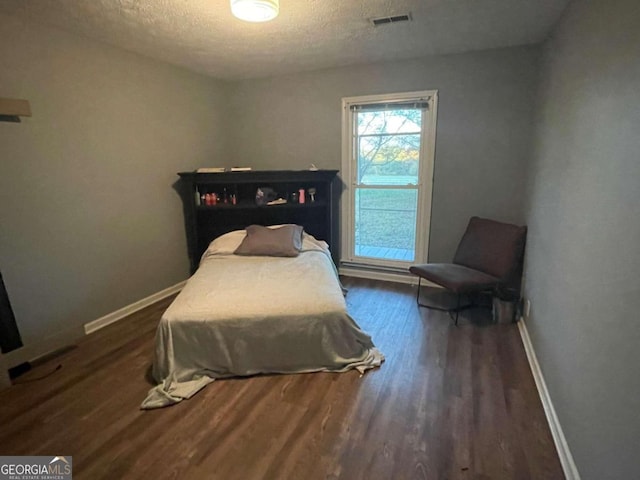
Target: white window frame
<point x="425" y="178"/>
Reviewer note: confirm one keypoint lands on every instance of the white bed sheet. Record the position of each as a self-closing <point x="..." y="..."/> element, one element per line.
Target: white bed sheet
<point x="241" y="316"/>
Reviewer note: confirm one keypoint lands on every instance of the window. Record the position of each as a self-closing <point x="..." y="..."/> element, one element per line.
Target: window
<point x="388" y="150"/>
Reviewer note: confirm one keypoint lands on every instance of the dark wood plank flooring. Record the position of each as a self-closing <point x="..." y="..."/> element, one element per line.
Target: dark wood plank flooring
<point x="448" y="403"/>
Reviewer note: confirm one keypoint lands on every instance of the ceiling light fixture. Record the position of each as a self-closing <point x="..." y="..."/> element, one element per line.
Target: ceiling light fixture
<point x="255" y="10"/>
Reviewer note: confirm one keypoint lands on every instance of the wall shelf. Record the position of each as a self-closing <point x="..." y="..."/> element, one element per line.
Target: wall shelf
<point x="242" y="206"/>
<point x="207" y="222"/>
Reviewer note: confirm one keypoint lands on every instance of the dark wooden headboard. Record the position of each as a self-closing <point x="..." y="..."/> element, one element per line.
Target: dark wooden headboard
<point x="204" y="222"/>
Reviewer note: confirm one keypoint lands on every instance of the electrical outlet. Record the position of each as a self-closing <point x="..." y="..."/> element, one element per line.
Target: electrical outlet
<point x="527" y="308"/>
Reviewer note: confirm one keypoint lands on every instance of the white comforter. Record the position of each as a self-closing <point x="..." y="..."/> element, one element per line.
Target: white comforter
<point x="248" y="315"/>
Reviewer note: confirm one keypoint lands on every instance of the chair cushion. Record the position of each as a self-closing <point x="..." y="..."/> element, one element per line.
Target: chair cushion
<point x="457" y="278"/>
<point x="494" y="248"/>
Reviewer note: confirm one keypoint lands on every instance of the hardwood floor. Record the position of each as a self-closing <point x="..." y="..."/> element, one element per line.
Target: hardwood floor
<point x="448" y="403"/>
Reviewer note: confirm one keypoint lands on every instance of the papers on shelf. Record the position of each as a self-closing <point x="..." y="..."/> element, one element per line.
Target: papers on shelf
<point x="277" y="201"/>
<point x="222" y="169"/>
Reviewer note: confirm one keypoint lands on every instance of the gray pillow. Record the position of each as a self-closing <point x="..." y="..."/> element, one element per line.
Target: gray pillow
<point x="285" y="241"/>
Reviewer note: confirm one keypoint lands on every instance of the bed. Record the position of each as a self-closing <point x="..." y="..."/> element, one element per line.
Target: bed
<point x="242" y="315"/>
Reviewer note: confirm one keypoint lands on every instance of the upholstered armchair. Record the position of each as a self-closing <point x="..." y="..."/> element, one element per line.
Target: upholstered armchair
<point x="488" y="259"/>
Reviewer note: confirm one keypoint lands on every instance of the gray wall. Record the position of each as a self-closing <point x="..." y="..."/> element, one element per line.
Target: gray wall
<point x="485" y="112"/>
<point x="583" y="254"/>
<point x="90" y="221"/>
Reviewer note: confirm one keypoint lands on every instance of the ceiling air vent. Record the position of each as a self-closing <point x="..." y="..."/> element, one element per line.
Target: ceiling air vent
<point x="393" y="19"/>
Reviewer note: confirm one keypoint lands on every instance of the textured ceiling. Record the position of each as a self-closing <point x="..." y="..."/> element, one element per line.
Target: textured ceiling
<point x="202" y="35"/>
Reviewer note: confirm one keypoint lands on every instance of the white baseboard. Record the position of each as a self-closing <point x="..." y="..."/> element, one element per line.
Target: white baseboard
<point x="566" y="459"/>
<point x="64" y="338"/>
<point x="384" y="276"/>
<point x="113" y="317"/>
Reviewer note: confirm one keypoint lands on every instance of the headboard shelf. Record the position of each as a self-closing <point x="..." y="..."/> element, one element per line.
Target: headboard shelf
<point x="207" y="222"/>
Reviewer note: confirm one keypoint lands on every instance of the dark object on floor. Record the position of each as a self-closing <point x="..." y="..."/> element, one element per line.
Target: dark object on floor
<point x="18" y="370"/>
<point x="9" y="334"/>
<point x="489" y="258"/>
<point x="41" y="377"/>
